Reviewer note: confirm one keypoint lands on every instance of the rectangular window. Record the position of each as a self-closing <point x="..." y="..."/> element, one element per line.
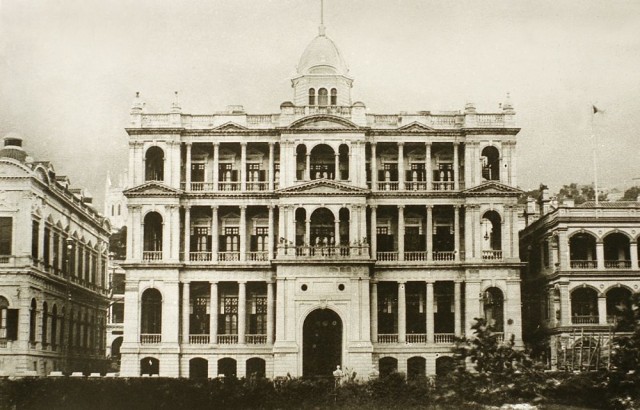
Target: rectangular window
<point x="226" y="173"/>
<point x="35" y="239"/>
<point x="253" y="172"/>
<point x="199" y="316"/>
<point x="56" y="251"/>
<point x="444" y="173"/>
<point x="260" y="240"/>
<point x="47" y="246"/>
<point x="258" y="315"/>
<point x="232" y="239"/>
<point x="6" y="231"/>
<point x="201" y="240"/>
<point x="228" y="323"/>
<point x="197" y="172"/>
<point x="117" y="313"/>
<point x="117" y="283"/>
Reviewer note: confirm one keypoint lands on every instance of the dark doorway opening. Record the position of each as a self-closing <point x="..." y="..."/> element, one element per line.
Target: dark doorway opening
<point x="322" y="343"/>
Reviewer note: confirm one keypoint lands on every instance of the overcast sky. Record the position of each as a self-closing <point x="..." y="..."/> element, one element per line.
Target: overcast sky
<point x="69" y="70"/>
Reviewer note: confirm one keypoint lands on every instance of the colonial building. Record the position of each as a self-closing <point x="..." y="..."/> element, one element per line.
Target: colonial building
<point x="582" y="269"/>
<point x="317" y="236"/>
<point x="53" y="259"/>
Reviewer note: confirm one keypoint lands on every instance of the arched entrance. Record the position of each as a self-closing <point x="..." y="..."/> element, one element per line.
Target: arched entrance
<point x="322" y="343"/>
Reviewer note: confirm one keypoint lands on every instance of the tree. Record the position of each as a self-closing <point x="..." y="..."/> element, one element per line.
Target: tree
<point x="626" y="355"/>
<point x="631" y="194"/>
<point x="579" y="193"/>
<point x="118" y="244"/>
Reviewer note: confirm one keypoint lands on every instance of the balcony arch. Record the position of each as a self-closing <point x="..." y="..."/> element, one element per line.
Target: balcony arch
<point x="154" y="164"/>
<point x="343" y="156"/>
<point x="617" y="250"/>
<point x="491" y="231"/>
<point x="387" y="365"/>
<point x="256" y="367"/>
<point x="115" y="348"/>
<point x="584" y="306"/>
<point x="618" y="302"/>
<point x="198" y="368"/>
<point x="152" y="247"/>
<point x="149" y="366"/>
<point x="301" y="162"/>
<point x="344" y="215"/>
<point x="493" y="305"/>
<point x="227" y="367"/>
<point x="490" y="158"/>
<point x="151" y="312"/>
<point x="322" y="162"/>
<point x="582" y="250"/>
<point x="322" y="227"/>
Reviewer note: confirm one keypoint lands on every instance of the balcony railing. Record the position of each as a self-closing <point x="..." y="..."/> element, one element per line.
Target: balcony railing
<point x="444" y="256"/>
<point x="152" y="255"/>
<point x="323" y="252"/>
<point x="415" y="186"/>
<point x="388" y="338"/>
<point x="200" y="256"/>
<point x="387" y="256"/>
<point x="444" y="338"/>
<point x="202" y="186"/>
<point x="260" y="256"/>
<point x="388" y="186"/>
<point x="417" y="338"/>
<point x="256" y="339"/>
<point x="617" y="264"/>
<point x="199" y="339"/>
<point x="443" y="186"/>
<point x="229" y="186"/>
<point x="415" y="256"/>
<point x="150" y="338"/>
<point x="578" y="264"/>
<point x="491" y="255"/>
<point x="228" y="256"/>
<point x="227" y="339"/>
<point x="584" y="319"/>
<point x="257" y="186"/>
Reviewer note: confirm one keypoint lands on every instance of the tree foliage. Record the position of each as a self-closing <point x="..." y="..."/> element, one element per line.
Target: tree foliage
<point x="579" y="193"/>
<point x="631" y="194"/>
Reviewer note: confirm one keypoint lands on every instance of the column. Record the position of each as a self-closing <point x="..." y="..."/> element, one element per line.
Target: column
<point x="477" y="232"/>
<point x="429" y="301"/>
<point x="400" y="232"/>
<point x="427" y="165"/>
<point x="374" y="167"/>
<point x="187" y="233"/>
<point x="186" y="296"/>
<point x="429" y="232"/>
<point x="468" y="233"/>
<point x="401" y="166"/>
<point x="307" y="167"/>
<point x="506" y="234"/>
<point x="563" y="250"/>
<point x="280" y="317"/>
<point x="634" y="254"/>
<point x="213" y="313"/>
<point x="565" y="305"/>
<point x="187" y="167"/>
<point x="456" y="166"/>
<point x="336" y="231"/>
<point x="374" y="231"/>
<point x="270" y="311"/>
<point x="243" y="232"/>
<point x="307" y="232"/>
<point x="270" y="173"/>
<point x="130" y="239"/>
<point x="602" y="309"/>
<point x="456" y="232"/>
<point x="402" y="313"/>
<point x="214" y="234"/>
<point x="242" y="311"/>
<point x="600" y="254"/>
<point x="374" y="311"/>
<point x="270" y="233"/>
<point x="243" y="166"/>
<point x="216" y="165"/>
<point x="457" y="308"/>
<point x="336" y="175"/>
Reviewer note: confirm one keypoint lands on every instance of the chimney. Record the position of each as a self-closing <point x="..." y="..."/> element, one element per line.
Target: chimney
<point x="543" y="202"/>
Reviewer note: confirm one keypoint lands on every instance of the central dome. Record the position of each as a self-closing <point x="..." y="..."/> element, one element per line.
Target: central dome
<point x="322" y="57"/>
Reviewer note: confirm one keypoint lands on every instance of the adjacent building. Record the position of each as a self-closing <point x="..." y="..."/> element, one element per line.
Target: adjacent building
<point x="582" y="270"/>
<point x="53" y="259"/>
<point x="318" y="235"/>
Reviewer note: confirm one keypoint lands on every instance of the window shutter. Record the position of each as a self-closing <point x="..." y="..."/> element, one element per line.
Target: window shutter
<point x="408" y="175"/>
<point x="380" y="176"/>
<point x="262" y="176"/>
<point x="12" y="324"/>
<point x="5" y="235"/>
<point x="222" y="243"/>
<point x="234" y="176"/>
<point x="253" y="243"/>
<point x="394" y="174"/>
<point x="209" y="241"/>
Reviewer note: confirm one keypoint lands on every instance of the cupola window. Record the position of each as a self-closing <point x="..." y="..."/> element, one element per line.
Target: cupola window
<point x="323" y="97"/>
<point x="334" y="96"/>
<point x="312" y="96"/>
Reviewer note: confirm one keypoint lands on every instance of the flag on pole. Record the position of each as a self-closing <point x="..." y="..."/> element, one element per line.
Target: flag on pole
<point x="597" y="110"/>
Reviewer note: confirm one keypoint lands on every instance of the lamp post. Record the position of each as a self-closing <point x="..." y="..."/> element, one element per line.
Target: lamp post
<point x="68" y="249"/>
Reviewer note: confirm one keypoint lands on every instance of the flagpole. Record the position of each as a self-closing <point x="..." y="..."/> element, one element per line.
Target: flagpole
<point x="595" y="159"/>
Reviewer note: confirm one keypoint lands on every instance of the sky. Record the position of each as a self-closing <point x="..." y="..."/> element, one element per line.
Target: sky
<point x="69" y="70"/>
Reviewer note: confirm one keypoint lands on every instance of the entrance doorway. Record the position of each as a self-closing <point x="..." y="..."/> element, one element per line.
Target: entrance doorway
<point x="322" y="343"/>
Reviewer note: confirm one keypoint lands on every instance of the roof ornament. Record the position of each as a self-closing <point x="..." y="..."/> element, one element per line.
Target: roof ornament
<point x="175" y="105"/>
<point x="321" y="28"/>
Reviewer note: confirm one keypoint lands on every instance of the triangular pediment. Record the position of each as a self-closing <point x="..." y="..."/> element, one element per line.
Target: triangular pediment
<point x="323" y="122"/>
<point x="323" y="187"/>
<point x="492" y="188"/>
<point x="415" y="126"/>
<point x="230" y="126"/>
<point x="152" y="188"/>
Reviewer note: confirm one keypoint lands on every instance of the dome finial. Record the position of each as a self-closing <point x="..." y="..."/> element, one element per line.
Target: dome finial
<point x="321" y="29"/>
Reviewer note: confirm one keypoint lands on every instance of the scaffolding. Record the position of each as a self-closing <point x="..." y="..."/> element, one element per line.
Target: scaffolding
<point x="584" y="351"/>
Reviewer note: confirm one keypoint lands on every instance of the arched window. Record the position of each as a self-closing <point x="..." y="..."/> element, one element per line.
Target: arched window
<point x="54" y="326"/>
<point x="151" y="312"/>
<point x="32" y="321"/>
<point x="491" y="226"/>
<point x="45" y="317"/>
<point x="227" y="366"/>
<point x="255" y="367"/>
<point x="617" y="251"/>
<point x="323" y="97"/>
<point x="152" y="236"/>
<point x="387" y="365"/>
<point x="416" y="367"/>
<point x="584" y="306"/>
<point x="490" y="164"/>
<point x="334" y="96"/>
<point x="8" y="321"/>
<point x="154" y="164"/>
<point x="150" y="366"/>
<point x="493" y="301"/>
<point x="582" y="251"/>
<point x="312" y="96"/>
<point x="198" y="368"/>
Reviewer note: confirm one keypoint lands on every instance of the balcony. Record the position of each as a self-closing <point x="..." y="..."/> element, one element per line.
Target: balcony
<point x="260" y="256"/>
<point x="257" y="186"/>
<point x="577" y="264"/>
<point x="152" y="255"/>
<point x="198" y="339"/>
<point x="492" y="255"/>
<point x="229" y="186"/>
<point x="202" y="186"/>
<point x="343" y="252"/>
<point x="256" y="339"/>
<point x="443" y="186"/>
<point x="444" y="256"/>
<point x="415" y="256"/>
<point x="617" y="264"/>
<point x="386" y="256"/>
<point x="228" y="256"/>
<point x="200" y="256"/>
<point x="150" y="338"/>
<point x="444" y="338"/>
<point x="388" y="338"/>
<point x="417" y="338"/>
<point x="415" y="186"/>
<point x="584" y="320"/>
<point x="388" y="186"/>
<point x="228" y="339"/>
